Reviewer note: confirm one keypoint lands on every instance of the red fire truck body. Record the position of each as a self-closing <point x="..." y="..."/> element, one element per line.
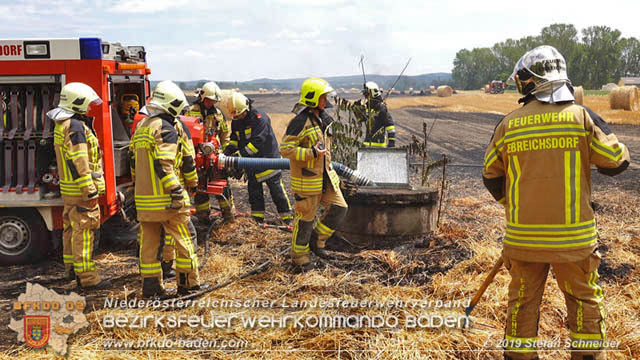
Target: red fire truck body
<point x="32" y="73"/>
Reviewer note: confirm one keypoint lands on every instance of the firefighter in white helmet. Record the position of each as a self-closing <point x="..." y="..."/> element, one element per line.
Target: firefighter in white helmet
<point x="381" y="130"/>
<point x="252" y="136"/>
<point x="307" y="143"/>
<point x="214" y="123"/>
<point x="161" y="201"/>
<point x="538" y="166"/>
<point x="79" y="161"/>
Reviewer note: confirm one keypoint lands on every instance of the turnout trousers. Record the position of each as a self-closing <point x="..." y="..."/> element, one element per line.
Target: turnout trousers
<point x="278" y="194"/>
<point x="578" y="281"/>
<point x="203" y="207"/>
<point x="306" y="207"/>
<point x="78" y="236"/>
<point x="176" y="227"/>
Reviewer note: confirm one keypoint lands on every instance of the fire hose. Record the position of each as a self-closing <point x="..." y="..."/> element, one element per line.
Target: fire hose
<point x="261" y="164"/>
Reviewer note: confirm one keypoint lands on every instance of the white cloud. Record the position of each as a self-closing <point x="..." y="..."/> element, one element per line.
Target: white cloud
<point x="237" y="44"/>
<point x="190" y="53"/>
<point x="237" y="22"/>
<point x="147" y="7"/>
<point x="296" y="35"/>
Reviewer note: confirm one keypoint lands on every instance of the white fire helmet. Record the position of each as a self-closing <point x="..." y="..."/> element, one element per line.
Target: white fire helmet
<point x="543" y="73"/>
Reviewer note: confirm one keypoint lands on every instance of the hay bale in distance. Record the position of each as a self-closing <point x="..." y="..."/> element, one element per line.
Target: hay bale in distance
<point x="432" y="88"/>
<point x="444" y="91"/>
<point x="624" y="97"/>
<point x="578" y="93"/>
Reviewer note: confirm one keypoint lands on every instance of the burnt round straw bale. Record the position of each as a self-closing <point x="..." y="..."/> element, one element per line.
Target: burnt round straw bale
<point x="578" y="93"/>
<point x="444" y="91"/>
<point x="624" y="97"/>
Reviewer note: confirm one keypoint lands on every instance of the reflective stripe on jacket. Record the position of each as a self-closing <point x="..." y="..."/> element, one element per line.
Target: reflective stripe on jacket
<point x="307" y="170"/>
<point x="538" y="166"/>
<point x="213" y="120"/>
<point x="253" y="137"/>
<point x="154" y="147"/>
<point x="79" y="161"/>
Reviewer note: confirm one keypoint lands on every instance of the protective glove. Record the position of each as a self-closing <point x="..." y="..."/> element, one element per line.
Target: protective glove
<point x="177" y="199"/>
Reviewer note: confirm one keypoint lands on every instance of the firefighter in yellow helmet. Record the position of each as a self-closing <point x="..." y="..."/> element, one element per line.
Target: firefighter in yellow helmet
<point x="214" y="123"/>
<point x="307" y="144"/>
<point x="161" y="201"/>
<point x="79" y="161"/>
<point x="252" y="136"/>
<point x="538" y="166"/>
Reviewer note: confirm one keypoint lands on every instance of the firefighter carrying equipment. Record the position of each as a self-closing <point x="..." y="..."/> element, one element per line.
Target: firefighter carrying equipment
<point x="158" y="194"/>
<point x="578" y="281"/>
<point x="542" y="72"/>
<point x="79" y="161"/>
<point x="313" y="180"/>
<point x="252" y="136"/>
<point x="214" y="123"/>
<point x="538" y="166"/>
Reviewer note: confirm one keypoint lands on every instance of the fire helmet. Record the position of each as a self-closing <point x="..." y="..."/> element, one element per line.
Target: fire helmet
<point x="169" y="97"/>
<point x="311" y="91"/>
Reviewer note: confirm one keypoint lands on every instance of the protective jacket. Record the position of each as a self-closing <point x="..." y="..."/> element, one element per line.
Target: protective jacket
<point x="311" y="173"/>
<point x="380" y="125"/>
<point x="79" y="161"/>
<point x="154" y="150"/>
<point x="213" y="120"/>
<point x="253" y="137"/>
<point x="185" y="157"/>
<point x="538" y="165"/>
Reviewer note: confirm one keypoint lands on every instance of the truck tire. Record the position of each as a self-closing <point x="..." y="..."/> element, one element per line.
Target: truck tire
<point x="24" y="238"/>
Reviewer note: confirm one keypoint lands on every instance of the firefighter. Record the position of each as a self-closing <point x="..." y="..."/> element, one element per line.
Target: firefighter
<point x="214" y="123"/>
<point x="307" y="144"/>
<point x="378" y="120"/>
<point x="161" y="201"/>
<point x="79" y="161"/>
<point x="252" y="136"/>
<point x="186" y="168"/>
<point x="538" y="166"/>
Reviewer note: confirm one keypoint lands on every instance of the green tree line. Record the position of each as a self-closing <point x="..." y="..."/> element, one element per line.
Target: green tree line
<point x="597" y="56"/>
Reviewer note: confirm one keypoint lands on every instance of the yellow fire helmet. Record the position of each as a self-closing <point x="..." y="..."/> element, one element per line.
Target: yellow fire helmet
<point x="240" y="104"/>
<point x="312" y="89"/>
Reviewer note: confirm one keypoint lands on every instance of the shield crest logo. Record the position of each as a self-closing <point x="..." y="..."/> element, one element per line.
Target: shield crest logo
<point x="36" y="330"/>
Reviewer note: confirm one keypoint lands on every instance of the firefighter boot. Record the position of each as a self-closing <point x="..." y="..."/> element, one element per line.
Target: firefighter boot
<point x="319" y="251"/>
<point x="102" y="285"/>
<point x="167" y="270"/>
<point x="151" y="287"/>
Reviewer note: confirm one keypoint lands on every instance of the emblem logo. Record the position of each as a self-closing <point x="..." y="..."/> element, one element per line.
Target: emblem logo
<point x="36" y="330"/>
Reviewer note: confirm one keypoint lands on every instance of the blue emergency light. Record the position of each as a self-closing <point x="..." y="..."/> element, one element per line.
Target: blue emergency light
<point x="90" y="48"/>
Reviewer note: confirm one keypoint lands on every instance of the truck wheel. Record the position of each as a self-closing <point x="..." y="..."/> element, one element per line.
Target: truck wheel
<point x="24" y="238"/>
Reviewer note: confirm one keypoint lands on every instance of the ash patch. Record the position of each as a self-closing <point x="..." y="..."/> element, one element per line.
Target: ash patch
<point x="412" y="262"/>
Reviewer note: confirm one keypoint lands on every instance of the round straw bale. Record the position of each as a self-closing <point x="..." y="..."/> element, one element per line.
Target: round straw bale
<point x="432" y="88"/>
<point x="486" y="88"/>
<point x="444" y="91"/>
<point x="578" y="93"/>
<point x="624" y="97"/>
<point x="226" y="104"/>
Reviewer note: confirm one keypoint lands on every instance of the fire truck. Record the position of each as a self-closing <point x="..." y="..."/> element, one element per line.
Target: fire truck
<point x="32" y="73"/>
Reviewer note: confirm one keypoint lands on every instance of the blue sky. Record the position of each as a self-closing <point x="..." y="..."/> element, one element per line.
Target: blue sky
<point x="244" y="40"/>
